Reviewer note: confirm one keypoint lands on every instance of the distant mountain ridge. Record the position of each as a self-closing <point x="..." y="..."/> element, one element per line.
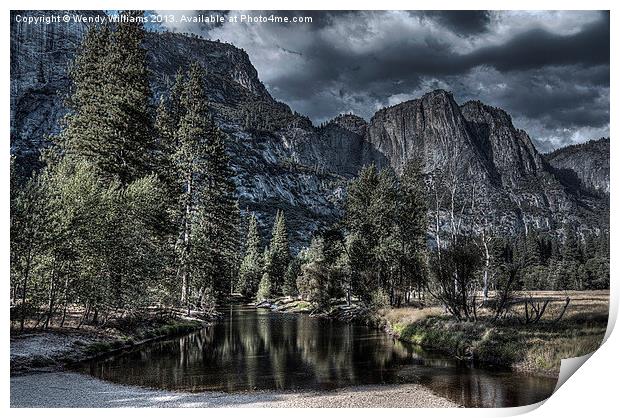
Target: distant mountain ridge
<point x="282" y="161"/>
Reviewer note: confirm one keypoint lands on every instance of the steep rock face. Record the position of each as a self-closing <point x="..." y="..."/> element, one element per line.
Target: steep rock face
<point x="586" y="164"/>
<point x="40" y="57"/>
<point x="427" y="128"/>
<point x="522" y="172"/>
<point x="339" y="146"/>
<point x="170" y="51"/>
<point x="521" y="190"/>
<point x="508" y="150"/>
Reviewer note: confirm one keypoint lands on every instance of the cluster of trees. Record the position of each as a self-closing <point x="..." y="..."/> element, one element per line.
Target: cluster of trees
<point x="576" y="262"/>
<point x="135" y="206"/>
<point x="263" y="272"/>
<point x="376" y="253"/>
<point x="259" y="117"/>
<point x="132" y="207"/>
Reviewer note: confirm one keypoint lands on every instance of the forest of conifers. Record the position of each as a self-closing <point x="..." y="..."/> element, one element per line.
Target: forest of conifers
<point x="135" y="206"/>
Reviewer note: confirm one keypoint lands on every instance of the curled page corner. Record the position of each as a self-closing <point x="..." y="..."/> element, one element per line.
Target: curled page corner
<point x="568" y="367"/>
<point x="518" y="410"/>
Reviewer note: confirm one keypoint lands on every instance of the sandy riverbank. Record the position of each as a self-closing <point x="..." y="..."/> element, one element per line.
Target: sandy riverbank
<point x="49" y="350"/>
<point x="71" y="390"/>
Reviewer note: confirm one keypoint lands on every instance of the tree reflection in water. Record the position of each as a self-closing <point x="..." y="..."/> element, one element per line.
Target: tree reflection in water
<point x="252" y="349"/>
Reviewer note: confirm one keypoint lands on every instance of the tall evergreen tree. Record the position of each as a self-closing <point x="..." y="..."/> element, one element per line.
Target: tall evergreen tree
<point x="190" y="162"/>
<point x="250" y="271"/>
<point x="279" y="253"/>
<point x="110" y="121"/>
<point x="265" y="287"/>
<point x="170" y="111"/>
<point x="168" y="117"/>
<point x="362" y="238"/>
<point x="129" y="97"/>
<point x="222" y="214"/>
<point x="412" y="225"/>
<point x="86" y="130"/>
<point x="208" y="239"/>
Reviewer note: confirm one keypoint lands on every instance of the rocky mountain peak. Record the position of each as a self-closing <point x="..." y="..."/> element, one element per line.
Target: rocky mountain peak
<point x="350" y="122"/>
<point x="170" y="51"/>
<point x="418" y="128"/>
<point x="475" y="110"/>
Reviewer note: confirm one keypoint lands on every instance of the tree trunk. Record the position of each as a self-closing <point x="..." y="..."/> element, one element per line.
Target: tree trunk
<point x="64" y="302"/>
<point x="349" y="294"/>
<point x="24" y="289"/>
<point x="487" y="263"/>
<point x="186" y="242"/>
<point x="85" y="315"/>
<point x="51" y="297"/>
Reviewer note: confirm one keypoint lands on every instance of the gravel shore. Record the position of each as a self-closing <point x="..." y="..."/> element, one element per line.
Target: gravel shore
<point x="69" y="390"/>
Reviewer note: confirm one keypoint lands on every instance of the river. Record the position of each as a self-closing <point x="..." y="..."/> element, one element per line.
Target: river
<point x="255" y="349"/>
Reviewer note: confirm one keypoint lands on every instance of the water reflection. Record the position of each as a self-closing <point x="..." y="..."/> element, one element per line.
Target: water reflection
<point x="255" y="349"/>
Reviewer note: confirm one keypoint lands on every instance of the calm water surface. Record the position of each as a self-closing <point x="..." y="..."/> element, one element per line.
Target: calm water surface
<point x="254" y="349"/>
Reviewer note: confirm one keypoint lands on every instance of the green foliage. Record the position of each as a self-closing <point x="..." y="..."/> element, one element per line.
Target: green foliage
<point x="207" y="213"/>
<point x="386" y="224"/>
<point x="290" y="279"/>
<point x="250" y="270"/>
<point x="110" y="121"/>
<point x="264" y="288"/>
<point x="454" y="271"/>
<point x="277" y="260"/>
<point x="574" y="261"/>
<point x="126" y="213"/>
<point x="379" y="300"/>
<point x="313" y="283"/>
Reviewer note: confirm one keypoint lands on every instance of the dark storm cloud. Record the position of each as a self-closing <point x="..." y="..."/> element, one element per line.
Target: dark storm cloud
<point x="538" y="47"/>
<point x="549" y="70"/>
<point x="558" y="98"/>
<point x="464" y="22"/>
<point x="400" y="59"/>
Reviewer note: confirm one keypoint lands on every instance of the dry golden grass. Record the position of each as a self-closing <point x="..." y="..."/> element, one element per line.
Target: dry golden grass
<point x="536" y="348"/>
<point x="410" y="314"/>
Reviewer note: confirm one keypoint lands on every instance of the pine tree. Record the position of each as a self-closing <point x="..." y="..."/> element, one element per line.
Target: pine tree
<point x="110" y="120"/>
<point x="279" y="253"/>
<point x="571" y="248"/>
<point x="412" y="224"/>
<point x="265" y="287"/>
<point x="128" y="97"/>
<point x="169" y="113"/>
<point x="251" y="265"/>
<point x="189" y="162"/>
<point x="362" y="239"/>
<point x="289" y="288"/>
<point x="208" y="239"/>
<point x="86" y="130"/>
<point x="222" y="214"/>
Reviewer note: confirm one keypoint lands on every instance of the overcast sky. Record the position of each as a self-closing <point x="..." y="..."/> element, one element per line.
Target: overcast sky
<point x="549" y="70"/>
